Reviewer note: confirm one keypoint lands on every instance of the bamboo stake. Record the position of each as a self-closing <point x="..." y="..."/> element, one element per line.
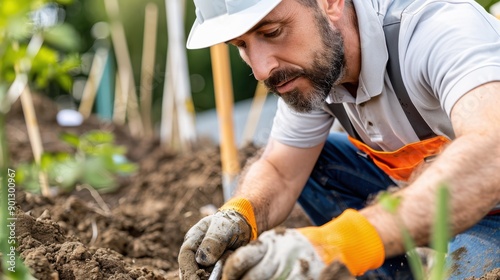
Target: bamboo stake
<point x="147" y="71"/>
<point x="119" y="110"/>
<point x="125" y="67"/>
<point x="183" y="100"/>
<point x="92" y="84"/>
<point x="224" y="105"/>
<point x="34" y="136"/>
<point x="168" y="106"/>
<point x="134" y="116"/>
<point x="254" y="114"/>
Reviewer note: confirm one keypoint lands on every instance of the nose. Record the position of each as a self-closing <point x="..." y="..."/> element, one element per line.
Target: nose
<point x="262" y="61"/>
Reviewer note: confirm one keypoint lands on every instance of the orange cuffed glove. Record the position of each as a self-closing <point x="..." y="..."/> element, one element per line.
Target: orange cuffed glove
<point x="349" y="238"/>
<point x="245" y="209"/>
<point x="232" y="226"/>
<point x="305" y="252"/>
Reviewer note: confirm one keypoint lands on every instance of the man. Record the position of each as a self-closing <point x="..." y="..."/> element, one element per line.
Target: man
<point x="315" y="54"/>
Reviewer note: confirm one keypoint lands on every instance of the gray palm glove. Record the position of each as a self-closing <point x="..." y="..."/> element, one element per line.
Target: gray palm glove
<point x="276" y="254"/>
<point x="206" y="241"/>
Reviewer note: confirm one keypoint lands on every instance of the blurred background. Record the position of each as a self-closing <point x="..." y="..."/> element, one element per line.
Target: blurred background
<point x="90" y="20"/>
<point x="90" y="30"/>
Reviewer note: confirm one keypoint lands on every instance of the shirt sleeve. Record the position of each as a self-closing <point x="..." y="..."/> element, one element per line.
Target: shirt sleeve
<point x="448" y="48"/>
<point x="301" y="130"/>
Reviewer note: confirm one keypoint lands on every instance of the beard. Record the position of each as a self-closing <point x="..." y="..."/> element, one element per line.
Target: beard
<point x="326" y="70"/>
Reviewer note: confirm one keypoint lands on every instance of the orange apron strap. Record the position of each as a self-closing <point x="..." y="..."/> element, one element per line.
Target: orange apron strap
<point x="401" y="163"/>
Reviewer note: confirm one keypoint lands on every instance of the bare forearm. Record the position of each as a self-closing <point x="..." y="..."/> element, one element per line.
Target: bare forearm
<point x="262" y="186"/>
<point x="274" y="182"/>
<point x="469" y="167"/>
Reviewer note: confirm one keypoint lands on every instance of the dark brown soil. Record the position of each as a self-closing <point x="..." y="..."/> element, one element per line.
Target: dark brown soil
<point x="71" y="236"/>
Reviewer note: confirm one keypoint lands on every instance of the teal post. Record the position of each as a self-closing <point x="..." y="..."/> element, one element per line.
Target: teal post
<point x="105" y="91"/>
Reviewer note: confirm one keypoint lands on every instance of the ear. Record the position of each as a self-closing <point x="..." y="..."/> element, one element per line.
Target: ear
<point x="334" y="9"/>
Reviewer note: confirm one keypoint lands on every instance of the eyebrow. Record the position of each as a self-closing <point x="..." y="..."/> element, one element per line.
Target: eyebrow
<point x="260" y="24"/>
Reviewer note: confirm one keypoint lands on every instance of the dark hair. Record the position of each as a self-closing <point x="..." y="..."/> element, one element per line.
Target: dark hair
<point x="309" y="3"/>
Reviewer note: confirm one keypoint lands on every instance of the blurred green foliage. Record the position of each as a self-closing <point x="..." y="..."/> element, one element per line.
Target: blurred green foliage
<point x="97" y="161"/>
<point x="17" y="27"/>
<point x="487" y="3"/>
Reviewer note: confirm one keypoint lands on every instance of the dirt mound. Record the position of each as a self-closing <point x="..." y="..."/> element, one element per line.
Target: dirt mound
<point x="133" y="233"/>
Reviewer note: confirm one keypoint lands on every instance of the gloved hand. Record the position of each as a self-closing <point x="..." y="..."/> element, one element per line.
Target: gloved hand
<point x="303" y="253"/>
<point x="231" y="227"/>
<point x="277" y="254"/>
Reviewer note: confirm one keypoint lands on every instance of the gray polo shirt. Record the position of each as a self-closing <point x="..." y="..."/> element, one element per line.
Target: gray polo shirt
<point x="446" y="48"/>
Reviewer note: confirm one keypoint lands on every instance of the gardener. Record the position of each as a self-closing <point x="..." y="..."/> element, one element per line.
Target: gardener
<point x="430" y="98"/>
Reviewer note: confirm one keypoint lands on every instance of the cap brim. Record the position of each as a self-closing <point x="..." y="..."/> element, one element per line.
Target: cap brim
<point x="227" y="27"/>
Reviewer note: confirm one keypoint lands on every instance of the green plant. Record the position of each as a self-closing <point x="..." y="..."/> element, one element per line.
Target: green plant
<point x="97" y="161"/>
<point x="439" y="240"/>
<point x="41" y="63"/>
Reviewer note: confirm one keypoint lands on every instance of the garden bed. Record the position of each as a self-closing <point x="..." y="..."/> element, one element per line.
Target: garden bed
<point x="137" y="232"/>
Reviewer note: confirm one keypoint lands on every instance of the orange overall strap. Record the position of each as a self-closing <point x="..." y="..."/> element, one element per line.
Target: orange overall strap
<point x="401" y="163"/>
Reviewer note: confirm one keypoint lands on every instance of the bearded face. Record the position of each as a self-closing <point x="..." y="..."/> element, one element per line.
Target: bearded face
<point x="324" y="71"/>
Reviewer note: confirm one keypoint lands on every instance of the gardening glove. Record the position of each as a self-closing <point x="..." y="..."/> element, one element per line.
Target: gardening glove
<point x="231" y="227"/>
<point x="303" y="253"/>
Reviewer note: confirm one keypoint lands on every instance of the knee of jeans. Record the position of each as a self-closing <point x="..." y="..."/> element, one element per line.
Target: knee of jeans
<point x="475" y="252"/>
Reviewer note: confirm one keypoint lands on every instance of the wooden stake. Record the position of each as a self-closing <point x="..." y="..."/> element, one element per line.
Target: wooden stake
<point x="258" y="102"/>
<point x="34" y="136"/>
<point x="92" y="84"/>
<point x="168" y="108"/>
<point x="118" y="106"/>
<point x="180" y="80"/>
<point x="119" y="110"/>
<point x="125" y="67"/>
<point x="224" y="106"/>
<point x="133" y="114"/>
<point x="147" y="71"/>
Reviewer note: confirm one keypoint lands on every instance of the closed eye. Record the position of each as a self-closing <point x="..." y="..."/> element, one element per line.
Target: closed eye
<point x="272" y="34"/>
<point x="237" y="43"/>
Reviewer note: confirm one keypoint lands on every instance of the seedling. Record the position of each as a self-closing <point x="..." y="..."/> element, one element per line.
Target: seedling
<point x="97" y="161"/>
<point x="439" y="239"/>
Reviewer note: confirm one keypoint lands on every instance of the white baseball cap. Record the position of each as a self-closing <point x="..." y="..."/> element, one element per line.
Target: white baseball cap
<point x="219" y="21"/>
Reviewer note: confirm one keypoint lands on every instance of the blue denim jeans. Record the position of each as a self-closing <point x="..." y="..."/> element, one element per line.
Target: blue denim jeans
<point x="344" y="178"/>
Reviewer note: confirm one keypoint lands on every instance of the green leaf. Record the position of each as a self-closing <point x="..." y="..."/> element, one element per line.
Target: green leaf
<point x="44" y="58"/>
<point x="61" y="156"/>
<point x="66" y="173"/>
<point x="46" y="161"/>
<point x="71" y="139"/>
<point x="389" y="202"/>
<point x="97" y="175"/>
<point x="27" y="176"/>
<point x="441" y="234"/>
<point x="65" y="81"/>
<point x="126" y="168"/>
<point x="63" y="36"/>
<point x="64" y="2"/>
<point x="99" y="137"/>
<point x="414" y="260"/>
<point x="70" y="63"/>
